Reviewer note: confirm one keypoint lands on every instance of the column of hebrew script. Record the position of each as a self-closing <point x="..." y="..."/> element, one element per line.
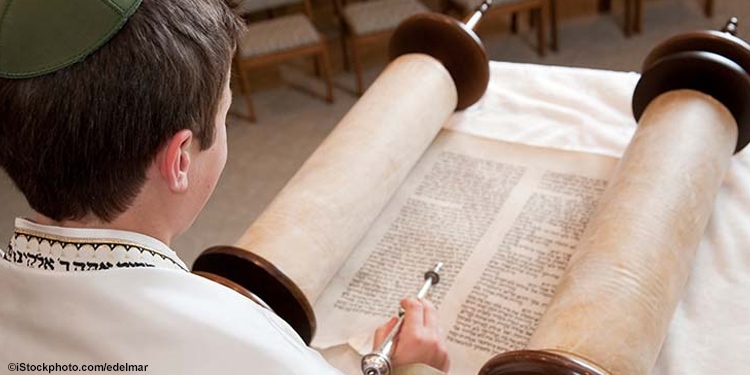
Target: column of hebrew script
<point x="503" y="218"/>
<point x="502" y="308"/>
<point x="444" y="220"/>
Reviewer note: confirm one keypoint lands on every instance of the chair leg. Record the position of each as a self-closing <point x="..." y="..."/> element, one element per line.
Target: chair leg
<point x="627" y="27"/>
<point x="316" y="65"/>
<point x="345" y="49"/>
<point x="604" y="6"/>
<point x="357" y="64"/>
<point x="638" y="22"/>
<point x="325" y="63"/>
<point x="553" y="23"/>
<point x="514" y="23"/>
<point x="245" y="87"/>
<point x="709" y="10"/>
<point x="541" y="21"/>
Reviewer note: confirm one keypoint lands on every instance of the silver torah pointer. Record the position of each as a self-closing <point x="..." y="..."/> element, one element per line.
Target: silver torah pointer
<point x="379" y="361"/>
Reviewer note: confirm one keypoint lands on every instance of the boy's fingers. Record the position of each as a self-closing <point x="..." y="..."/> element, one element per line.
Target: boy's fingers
<point x="430" y="315"/>
<point x="414" y="318"/>
<point x="382" y="332"/>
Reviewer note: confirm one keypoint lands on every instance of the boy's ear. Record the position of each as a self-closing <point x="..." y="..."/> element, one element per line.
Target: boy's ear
<point x="175" y="163"/>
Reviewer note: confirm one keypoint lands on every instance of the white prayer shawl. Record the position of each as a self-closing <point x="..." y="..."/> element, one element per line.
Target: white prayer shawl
<point x="121" y="298"/>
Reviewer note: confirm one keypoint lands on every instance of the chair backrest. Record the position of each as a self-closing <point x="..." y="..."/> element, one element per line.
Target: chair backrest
<point x="251" y="6"/>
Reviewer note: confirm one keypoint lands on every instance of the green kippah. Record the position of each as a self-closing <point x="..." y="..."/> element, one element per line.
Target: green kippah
<point x="42" y="36"/>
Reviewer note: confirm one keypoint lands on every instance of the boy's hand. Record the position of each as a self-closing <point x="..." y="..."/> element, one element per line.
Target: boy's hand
<point x="420" y="340"/>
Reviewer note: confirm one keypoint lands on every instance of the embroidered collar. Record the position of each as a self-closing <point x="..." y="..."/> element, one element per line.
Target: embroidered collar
<point x="74" y="249"/>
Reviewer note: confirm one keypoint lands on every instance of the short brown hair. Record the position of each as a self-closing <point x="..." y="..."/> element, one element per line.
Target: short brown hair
<point x="78" y="141"/>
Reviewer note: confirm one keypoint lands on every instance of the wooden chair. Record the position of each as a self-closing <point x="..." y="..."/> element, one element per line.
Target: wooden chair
<point x="277" y="39"/>
<point x="630" y="14"/>
<point x="367" y="22"/>
<point x="541" y="11"/>
<point x="634" y="13"/>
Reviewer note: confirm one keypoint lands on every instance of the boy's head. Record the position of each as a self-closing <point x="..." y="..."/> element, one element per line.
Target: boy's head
<point x="79" y="142"/>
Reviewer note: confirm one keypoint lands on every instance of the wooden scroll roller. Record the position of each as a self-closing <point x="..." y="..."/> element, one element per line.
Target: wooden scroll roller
<point x="290" y="253"/>
<point x="612" y="309"/>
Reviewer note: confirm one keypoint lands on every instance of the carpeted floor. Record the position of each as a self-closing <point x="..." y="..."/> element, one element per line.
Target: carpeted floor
<point x="293" y="118"/>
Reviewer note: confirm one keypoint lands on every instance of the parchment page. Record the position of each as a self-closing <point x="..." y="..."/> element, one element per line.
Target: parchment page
<point x="504" y="219"/>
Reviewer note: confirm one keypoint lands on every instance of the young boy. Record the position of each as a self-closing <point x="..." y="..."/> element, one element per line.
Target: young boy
<point x="112" y="124"/>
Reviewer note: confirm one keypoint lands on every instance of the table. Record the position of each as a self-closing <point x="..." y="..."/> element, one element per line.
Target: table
<point x="589" y="110"/>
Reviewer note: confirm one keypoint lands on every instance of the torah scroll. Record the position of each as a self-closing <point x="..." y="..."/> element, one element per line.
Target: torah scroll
<point x="612" y="309"/>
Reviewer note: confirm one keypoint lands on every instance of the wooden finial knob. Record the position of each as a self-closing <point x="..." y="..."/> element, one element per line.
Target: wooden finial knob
<point x="247" y="270"/>
<point x="451" y="43"/>
<point x="713" y="62"/>
<point x="538" y="362"/>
